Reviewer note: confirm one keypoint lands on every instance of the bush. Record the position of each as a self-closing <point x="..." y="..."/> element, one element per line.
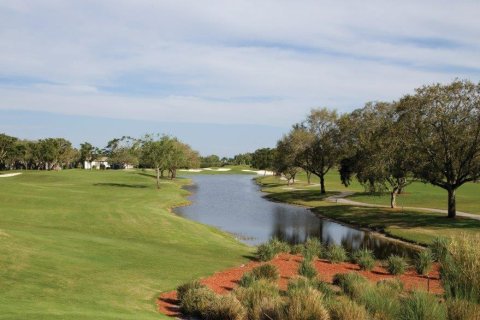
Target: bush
<point x="268" y="251"/>
<point x="194" y="284"/>
<point x="422" y="306"/>
<point x="307" y="269"/>
<point x="336" y="254"/>
<point x="423" y="262"/>
<point x="260" y="298"/>
<point x="439" y="248"/>
<point x="225" y="307"/>
<point x="346" y="309"/>
<point x="247" y="280"/>
<point x="297" y="249"/>
<point x="396" y="265"/>
<point x="349" y="282"/>
<point x="306" y="304"/>
<point x="460" y="269"/>
<point x="365" y="259"/>
<point x="266" y="271"/>
<point x="197" y="301"/>
<point x="462" y="310"/>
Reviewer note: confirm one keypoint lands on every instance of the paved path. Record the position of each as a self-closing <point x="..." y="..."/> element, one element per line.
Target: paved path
<point x="340" y="198"/>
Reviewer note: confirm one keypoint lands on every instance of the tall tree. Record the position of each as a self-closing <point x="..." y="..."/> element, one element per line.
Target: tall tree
<point x="442" y="124"/>
<point x="123" y="152"/>
<point x="154" y="154"/>
<point x="323" y="151"/>
<point x="7" y="145"/>
<point x="374" y="150"/>
<point x="263" y="158"/>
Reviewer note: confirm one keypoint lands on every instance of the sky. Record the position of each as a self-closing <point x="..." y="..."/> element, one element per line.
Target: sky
<point x="224" y="76"/>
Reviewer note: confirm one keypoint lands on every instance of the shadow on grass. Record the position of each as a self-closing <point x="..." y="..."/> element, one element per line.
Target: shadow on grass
<point x="380" y="218"/>
<point x="120" y="185"/>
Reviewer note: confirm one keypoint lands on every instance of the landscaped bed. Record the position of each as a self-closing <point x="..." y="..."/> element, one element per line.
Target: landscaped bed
<point x="287" y="264"/>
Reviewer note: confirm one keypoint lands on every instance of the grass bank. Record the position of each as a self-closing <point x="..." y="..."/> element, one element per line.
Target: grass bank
<point x="414" y="226"/>
<point x="82" y="244"/>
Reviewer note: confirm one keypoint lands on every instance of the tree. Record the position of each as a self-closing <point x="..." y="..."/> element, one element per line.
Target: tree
<point x="154" y="154"/>
<point x="7" y="145"/>
<point x="374" y="150"/>
<point x="54" y="153"/>
<point x="285" y="159"/>
<point x="210" y="161"/>
<point x="262" y="159"/>
<point x="123" y="152"/>
<point x="442" y="125"/>
<point x="322" y="151"/>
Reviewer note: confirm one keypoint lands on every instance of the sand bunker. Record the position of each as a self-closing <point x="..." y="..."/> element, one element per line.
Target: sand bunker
<point x="10" y="175"/>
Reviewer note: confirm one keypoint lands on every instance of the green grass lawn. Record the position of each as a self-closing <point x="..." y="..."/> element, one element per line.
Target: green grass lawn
<point x="415" y="226"/>
<point x="79" y="244"/>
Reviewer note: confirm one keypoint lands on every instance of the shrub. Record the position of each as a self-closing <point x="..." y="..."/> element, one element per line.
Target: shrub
<point x="349" y="282"/>
<point x="225" y="307"/>
<point x="197" y="301"/>
<point x="306" y="304"/>
<point x="439" y="248"/>
<point x="365" y="259"/>
<point x="297" y="249"/>
<point x="307" y="269"/>
<point x="313" y="247"/>
<point x="261" y="297"/>
<point x="396" y="265"/>
<point x="194" y="284"/>
<point x="345" y="309"/>
<point x="460" y="269"/>
<point x="336" y="254"/>
<point x="462" y="310"/>
<point x="423" y="262"/>
<point x="266" y="271"/>
<point x="268" y="251"/>
<point x="247" y="280"/>
<point x="422" y="306"/>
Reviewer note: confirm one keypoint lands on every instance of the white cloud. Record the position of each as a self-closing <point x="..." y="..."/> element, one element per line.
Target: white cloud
<point x="264" y="62"/>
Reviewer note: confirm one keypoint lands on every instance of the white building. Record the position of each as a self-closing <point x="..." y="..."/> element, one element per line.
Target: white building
<point x="100" y="163"/>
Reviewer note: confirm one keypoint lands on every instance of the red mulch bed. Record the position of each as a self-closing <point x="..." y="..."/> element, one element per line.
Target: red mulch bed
<point x="224" y="281"/>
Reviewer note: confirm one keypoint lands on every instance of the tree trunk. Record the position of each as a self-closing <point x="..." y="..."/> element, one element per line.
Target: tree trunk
<point x="158" y="178"/>
<point x="452" y="208"/>
<point x="309" y="177"/>
<point x="393" y="198"/>
<point x="322" y="184"/>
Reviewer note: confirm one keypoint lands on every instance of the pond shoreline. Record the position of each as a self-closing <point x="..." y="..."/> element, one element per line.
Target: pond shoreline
<point x="376" y="233"/>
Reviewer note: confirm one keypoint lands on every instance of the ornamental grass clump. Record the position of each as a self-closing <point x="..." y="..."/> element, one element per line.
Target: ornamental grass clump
<point x="247" y="280"/>
<point x="336" y="254"/>
<point x="423" y="262"/>
<point x="225" y="307"/>
<point x="269" y="250"/>
<point x="266" y="271"/>
<point x="307" y="269"/>
<point x="381" y="300"/>
<point x="297" y="248"/>
<point x="396" y="265"/>
<point x="343" y="308"/>
<point x="460" y="269"/>
<point x="261" y="297"/>
<point x="306" y="304"/>
<point x="301" y="282"/>
<point x="438" y="248"/>
<point x="314" y="248"/>
<point x="365" y="259"/>
<point x="462" y="310"/>
<point x="194" y="284"/>
<point x="422" y="306"/>
<point x="350" y="283"/>
<point x="197" y="301"/>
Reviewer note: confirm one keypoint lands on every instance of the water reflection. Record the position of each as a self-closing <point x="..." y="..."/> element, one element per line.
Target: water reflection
<point x="234" y="204"/>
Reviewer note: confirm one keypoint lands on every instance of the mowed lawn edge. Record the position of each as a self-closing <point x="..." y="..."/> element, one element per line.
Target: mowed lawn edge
<point x="82" y="244"/>
<point x="415" y="226"/>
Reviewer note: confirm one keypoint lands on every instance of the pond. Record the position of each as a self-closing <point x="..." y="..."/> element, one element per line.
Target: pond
<point x="235" y="204"/>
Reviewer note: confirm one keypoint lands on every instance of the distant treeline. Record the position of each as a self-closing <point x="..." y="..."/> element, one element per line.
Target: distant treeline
<point x="431" y="136"/>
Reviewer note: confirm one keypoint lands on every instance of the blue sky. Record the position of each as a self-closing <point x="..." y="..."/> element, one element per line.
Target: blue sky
<point x="224" y="76"/>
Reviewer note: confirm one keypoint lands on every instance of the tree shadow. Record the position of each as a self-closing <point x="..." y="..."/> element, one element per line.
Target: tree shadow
<point x="120" y="185"/>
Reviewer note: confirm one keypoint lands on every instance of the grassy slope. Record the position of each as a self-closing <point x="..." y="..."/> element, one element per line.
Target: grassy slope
<point x="415" y="226"/>
<point x="98" y="244"/>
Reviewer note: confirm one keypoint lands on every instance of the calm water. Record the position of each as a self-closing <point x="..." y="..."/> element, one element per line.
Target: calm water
<point x="235" y="204"/>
